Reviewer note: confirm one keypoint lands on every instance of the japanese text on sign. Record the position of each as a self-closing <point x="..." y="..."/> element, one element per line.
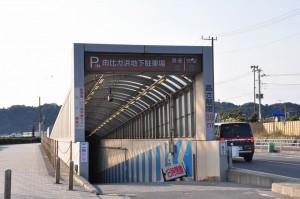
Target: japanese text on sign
<point x="127" y="62"/>
<point x="79" y="108"/>
<point x="209" y="107"/>
<point x="173" y="171"/>
<point x="84" y="152"/>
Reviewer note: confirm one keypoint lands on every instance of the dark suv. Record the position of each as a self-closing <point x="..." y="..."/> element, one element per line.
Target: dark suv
<point x="237" y="134"/>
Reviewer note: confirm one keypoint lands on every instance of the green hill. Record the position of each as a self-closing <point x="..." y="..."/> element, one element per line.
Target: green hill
<point x="245" y="111"/>
<point x="17" y="119"/>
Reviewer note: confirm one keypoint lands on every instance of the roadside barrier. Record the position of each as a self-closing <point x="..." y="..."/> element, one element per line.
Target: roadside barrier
<point x="71" y="172"/>
<point x="7" y="184"/>
<point x="57" y="170"/>
<point x="278" y="144"/>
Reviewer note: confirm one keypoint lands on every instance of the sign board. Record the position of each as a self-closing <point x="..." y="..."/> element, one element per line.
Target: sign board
<point x="235" y="151"/>
<point x="223" y="148"/>
<point x="173" y="171"/>
<point x="79" y="108"/>
<point x="209" y="109"/>
<point x="142" y="62"/>
<point x="83" y="152"/>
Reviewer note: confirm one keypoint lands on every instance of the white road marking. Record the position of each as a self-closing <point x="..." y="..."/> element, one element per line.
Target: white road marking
<point x="278" y="162"/>
<point x="266" y="195"/>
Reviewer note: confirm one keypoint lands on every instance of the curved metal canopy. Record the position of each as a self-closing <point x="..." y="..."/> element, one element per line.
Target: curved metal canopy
<point x="113" y="99"/>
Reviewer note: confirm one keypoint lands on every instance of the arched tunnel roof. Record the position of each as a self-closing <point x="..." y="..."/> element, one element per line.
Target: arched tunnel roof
<point x="113" y="99"/>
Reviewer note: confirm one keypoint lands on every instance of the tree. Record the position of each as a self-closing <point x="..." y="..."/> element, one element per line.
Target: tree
<point x="253" y="118"/>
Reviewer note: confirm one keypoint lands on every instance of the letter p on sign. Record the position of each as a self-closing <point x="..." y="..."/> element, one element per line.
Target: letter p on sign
<point x="93" y="60"/>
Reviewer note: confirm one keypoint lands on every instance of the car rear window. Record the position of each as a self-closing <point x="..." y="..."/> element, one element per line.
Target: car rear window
<point x="235" y="130"/>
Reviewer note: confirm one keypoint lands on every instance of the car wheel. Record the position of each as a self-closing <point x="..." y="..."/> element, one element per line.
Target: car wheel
<point x="248" y="158"/>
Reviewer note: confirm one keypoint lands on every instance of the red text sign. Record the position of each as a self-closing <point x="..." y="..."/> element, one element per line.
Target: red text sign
<point x="174" y="171"/>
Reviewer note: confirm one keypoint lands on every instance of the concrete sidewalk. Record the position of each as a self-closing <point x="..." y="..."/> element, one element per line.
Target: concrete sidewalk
<point x="33" y="175"/>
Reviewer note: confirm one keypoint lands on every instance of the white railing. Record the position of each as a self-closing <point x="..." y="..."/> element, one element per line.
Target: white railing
<point x="286" y="144"/>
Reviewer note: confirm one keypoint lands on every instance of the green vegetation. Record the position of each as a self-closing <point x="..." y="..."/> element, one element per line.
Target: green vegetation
<point x="19" y="140"/>
<point x="19" y="119"/>
<point x="245" y="112"/>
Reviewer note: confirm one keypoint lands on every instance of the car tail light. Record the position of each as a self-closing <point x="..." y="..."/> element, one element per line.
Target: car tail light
<point x="252" y="139"/>
<point x="222" y="139"/>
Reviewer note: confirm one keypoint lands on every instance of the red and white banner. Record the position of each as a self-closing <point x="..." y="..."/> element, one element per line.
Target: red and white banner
<point x="174" y="171"/>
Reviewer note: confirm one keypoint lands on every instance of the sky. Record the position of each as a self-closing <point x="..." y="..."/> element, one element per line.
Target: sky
<point x="37" y="36"/>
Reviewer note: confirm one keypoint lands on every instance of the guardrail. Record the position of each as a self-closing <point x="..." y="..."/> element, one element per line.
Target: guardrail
<point x="280" y="144"/>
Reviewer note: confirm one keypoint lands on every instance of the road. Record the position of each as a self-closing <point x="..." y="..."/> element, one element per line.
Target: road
<point x="187" y="190"/>
<point x="275" y="163"/>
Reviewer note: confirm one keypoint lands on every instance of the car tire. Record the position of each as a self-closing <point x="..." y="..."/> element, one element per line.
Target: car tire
<point x="248" y="158"/>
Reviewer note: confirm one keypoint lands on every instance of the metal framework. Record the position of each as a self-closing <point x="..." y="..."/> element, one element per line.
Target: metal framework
<point x="136" y="97"/>
<point x="139" y="107"/>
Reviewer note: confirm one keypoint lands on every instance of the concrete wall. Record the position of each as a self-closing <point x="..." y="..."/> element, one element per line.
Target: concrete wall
<point x="210" y="165"/>
<point x="139" y="160"/>
<point x="142" y="160"/>
<point x="62" y="128"/>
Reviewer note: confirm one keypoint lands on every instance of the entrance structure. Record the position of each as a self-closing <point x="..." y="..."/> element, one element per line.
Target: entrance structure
<point x="134" y="109"/>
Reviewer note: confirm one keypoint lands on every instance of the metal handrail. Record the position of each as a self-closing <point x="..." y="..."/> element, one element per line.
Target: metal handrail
<point x="281" y="143"/>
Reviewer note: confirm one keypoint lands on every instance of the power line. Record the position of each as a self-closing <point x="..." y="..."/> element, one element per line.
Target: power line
<point x="260" y="25"/>
<point x="263" y="24"/>
<point x="233" y="78"/>
<point x="279" y="84"/>
<point x="278" y="75"/>
<point x="238" y="96"/>
<point x="261" y="45"/>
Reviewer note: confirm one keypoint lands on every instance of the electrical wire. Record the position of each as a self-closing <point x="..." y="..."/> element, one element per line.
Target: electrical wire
<point x="279" y="84"/>
<point x="260" y="25"/>
<point x="238" y="96"/>
<point x="233" y="79"/>
<point x="278" y="75"/>
<point x="263" y="24"/>
<point x="261" y="45"/>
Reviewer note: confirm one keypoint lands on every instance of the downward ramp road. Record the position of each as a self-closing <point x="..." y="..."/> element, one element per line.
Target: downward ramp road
<point x="33" y="175"/>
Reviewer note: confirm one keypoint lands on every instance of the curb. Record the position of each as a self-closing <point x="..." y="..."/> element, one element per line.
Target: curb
<point x="85" y="184"/>
<point x="287" y="188"/>
<point x="279" y="184"/>
<point x="244" y="176"/>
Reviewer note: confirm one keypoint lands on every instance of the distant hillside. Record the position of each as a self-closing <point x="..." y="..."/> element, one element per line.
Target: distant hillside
<point x="246" y="110"/>
<point x="18" y="119"/>
<point x="21" y="118"/>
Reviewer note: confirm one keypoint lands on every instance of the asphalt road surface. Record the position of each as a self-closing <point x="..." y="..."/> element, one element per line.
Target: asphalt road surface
<point x="274" y="163"/>
<point x="187" y="190"/>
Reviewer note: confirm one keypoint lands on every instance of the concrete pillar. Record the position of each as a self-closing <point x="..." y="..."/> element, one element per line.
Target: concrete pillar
<point x="204" y="98"/>
<point x="78" y="122"/>
<point x="211" y="165"/>
<point x="80" y="156"/>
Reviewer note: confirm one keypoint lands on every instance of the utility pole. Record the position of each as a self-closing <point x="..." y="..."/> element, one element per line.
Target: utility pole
<point x="260" y="95"/>
<point x="40" y="116"/>
<point x="212" y="39"/>
<point x="254" y="69"/>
